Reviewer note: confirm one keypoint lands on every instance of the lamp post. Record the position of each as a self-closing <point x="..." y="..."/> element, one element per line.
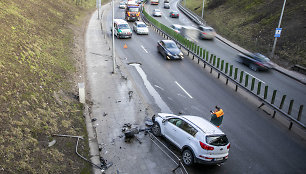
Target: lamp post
<point x="113" y="40"/>
<point x="279" y="24"/>
<point x="203" y="9"/>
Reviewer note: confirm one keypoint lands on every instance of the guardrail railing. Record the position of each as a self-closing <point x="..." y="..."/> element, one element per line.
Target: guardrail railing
<point x="239" y="78"/>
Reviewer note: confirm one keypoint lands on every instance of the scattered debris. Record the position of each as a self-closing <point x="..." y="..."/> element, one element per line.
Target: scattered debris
<point x="104" y="164"/>
<point x="105" y="114"/>
<point x="94" y="119"/>
<point x="118" y="101"/>
<point x="130" y="95"/>
<point x="51" y="143"/>
<point x="149" y="123"/>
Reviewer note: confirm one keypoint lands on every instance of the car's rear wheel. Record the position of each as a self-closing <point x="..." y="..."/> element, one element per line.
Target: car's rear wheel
<point x="187" y="157"/>
<point x="253" y="67"/>
<point x="156" y="129"/>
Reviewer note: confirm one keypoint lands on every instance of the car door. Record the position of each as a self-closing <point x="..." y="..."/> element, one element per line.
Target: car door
<point x="186" y="134"/>
<point x="171" y="130"/>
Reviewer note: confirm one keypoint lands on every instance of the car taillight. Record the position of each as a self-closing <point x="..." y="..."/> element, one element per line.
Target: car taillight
<point x="228" y="146"/>
<point x="206" y="147"/>
<point x="203" y="33"/>
<point x="259" y="64"/>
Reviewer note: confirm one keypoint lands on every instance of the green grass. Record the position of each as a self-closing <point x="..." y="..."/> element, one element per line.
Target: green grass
<point x="36" y="63"/>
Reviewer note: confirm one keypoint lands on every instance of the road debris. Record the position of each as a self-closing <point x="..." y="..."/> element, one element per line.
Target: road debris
<point x="51" y="143"/>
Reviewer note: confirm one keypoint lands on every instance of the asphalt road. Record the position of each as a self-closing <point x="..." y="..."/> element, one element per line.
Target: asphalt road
<point x="259" y="144"/>
<point x="275" y="80"/>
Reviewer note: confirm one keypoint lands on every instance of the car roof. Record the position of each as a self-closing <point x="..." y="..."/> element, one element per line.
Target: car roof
<point x="203" y="124"/>
<point x="174" y="11"/>
<point x="156" y="9"/>
<point x="168" y="41"/>
<point x="139" y="22"/>
<point x="120" y="21"/>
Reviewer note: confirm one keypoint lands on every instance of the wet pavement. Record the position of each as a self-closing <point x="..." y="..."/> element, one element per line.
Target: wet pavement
<point x="116" y="104"/>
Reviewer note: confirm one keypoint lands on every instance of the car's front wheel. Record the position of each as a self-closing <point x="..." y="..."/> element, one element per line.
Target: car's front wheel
<point x="253" y="67"/>
<point x="187" y="157"/>
<point x="156" y="129"/>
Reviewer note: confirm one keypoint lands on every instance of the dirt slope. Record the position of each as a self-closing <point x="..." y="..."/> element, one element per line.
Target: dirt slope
<point x="37" y="85"/>
<point x="252" y="23"/>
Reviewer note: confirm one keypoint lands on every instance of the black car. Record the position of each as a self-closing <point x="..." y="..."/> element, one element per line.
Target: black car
<point x="169" y="49"/>
<point x="255" y="61"/>
<point x="174" y="14"/>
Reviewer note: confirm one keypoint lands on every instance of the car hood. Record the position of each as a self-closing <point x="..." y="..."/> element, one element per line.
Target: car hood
<point x="174" y="51"/>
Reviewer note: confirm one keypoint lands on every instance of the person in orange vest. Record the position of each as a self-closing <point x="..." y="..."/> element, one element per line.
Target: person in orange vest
<point x="217" y="116"/>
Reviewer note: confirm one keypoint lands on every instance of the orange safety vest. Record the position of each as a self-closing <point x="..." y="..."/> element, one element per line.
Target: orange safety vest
<point x="219" y="113"/>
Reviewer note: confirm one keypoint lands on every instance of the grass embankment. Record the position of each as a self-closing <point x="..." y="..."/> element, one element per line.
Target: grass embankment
<point x="36" y="83"/>
<point x="251" y="24"/>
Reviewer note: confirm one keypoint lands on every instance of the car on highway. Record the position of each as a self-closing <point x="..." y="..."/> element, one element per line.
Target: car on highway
<point x="169" y="49"/>
<point x="157" y="13"/>
<point x="122" y="29"/>
<point x="174" y="14"/>
<point x="255" y="61"/>
<point x="140" y="28"/>
<point x="122" y="5"/>
<point x="206" y="32"/>
<point x="199" y="140"/>
<point x="176" y="27"/>
<point x="166" y="5"/>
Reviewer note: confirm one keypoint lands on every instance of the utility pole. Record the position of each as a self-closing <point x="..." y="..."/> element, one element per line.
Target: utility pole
<point x="277" y="33"/>
<point x="203" y="9"/>
<point x="113" y="40"/>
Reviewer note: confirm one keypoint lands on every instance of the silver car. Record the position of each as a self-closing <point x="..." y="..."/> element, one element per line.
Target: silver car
<point x="157" y="13"/>
<point x="140" y="28"/>
<point x="206" y="32"/>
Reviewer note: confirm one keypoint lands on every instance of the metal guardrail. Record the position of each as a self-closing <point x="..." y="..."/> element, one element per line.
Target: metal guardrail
<point x="194" y="17"/>
<point x="200" y="54"/>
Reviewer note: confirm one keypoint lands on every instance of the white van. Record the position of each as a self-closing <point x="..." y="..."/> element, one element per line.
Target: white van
<point x="122" y="29"/>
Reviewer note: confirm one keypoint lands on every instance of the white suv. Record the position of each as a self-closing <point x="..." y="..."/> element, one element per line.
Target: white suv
<point x="199" y="140"/>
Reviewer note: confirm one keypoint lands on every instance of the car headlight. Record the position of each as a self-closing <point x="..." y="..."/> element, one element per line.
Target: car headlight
<point x="168" y="53"/>
<point x="181" y="54"/>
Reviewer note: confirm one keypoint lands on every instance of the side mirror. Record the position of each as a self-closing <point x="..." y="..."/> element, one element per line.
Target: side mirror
<point x="164" y="120"/>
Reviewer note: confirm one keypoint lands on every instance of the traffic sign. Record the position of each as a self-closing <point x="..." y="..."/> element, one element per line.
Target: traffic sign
<point x="278" y="32"/>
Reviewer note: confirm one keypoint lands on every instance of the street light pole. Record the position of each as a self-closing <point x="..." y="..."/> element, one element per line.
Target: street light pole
<point x="279" y="24"/>
<point x="203" y="9"/>
<point x="113" y="40"/>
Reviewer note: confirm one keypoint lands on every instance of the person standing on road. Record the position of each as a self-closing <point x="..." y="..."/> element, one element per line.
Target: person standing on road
<point x="217" y="116"/>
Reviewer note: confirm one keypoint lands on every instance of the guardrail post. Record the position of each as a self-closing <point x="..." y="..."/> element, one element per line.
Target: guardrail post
<point x="211" y="57"/>
<point x="266" y="92"/>
<point x="246" y="80"/>
<point x="218" y="62"/>
<point x="226" y="68"/>
<point x="235" y="73"/>
<point x="214" y="61"/>
<point x="222" y="65"/>
<point x="241" y="77"/>
<point x="300" y="113"/>
<point x="201" y="52"/>
<point x="198" y="50"/>
<point x="207" y="55"/>
<point x="231" y="71"/>
<point x="273" y="97"/>
<point x="253" y="84"/>
<point x="290" y="107"/>
<point x="282" y="102"/>
<point x="259" y="88"/>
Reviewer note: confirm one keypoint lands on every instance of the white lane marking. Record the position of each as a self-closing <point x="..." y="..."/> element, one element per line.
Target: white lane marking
<point x="144" y="49"/>
<point x="183" y="89"/>
<point x="159" y="87"/>
<point x="159" y="101"/>
<point x="255" y="77"/>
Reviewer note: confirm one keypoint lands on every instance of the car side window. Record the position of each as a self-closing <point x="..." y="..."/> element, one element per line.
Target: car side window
<point x="176" y="121"/>
<point x="162" y="43"/>
<point x="188" y="128"/>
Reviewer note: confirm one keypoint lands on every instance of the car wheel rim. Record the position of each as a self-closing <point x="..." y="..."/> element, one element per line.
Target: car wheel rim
<point x="187" y="158"/>
<point x="155" y="129"/>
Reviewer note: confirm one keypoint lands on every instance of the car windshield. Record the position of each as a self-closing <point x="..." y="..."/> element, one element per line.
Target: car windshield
<point x="123" y="26"/>
<point x="261" y="57"/>
<point x="174" y="12"/>
<point x="136" y="9"/>
<point x="157" y="10"/>
<point x="141" y="25"/>
<point x="170" y="45"/>
<point x="217" y="140"/>
<point x="122" y="3"/>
